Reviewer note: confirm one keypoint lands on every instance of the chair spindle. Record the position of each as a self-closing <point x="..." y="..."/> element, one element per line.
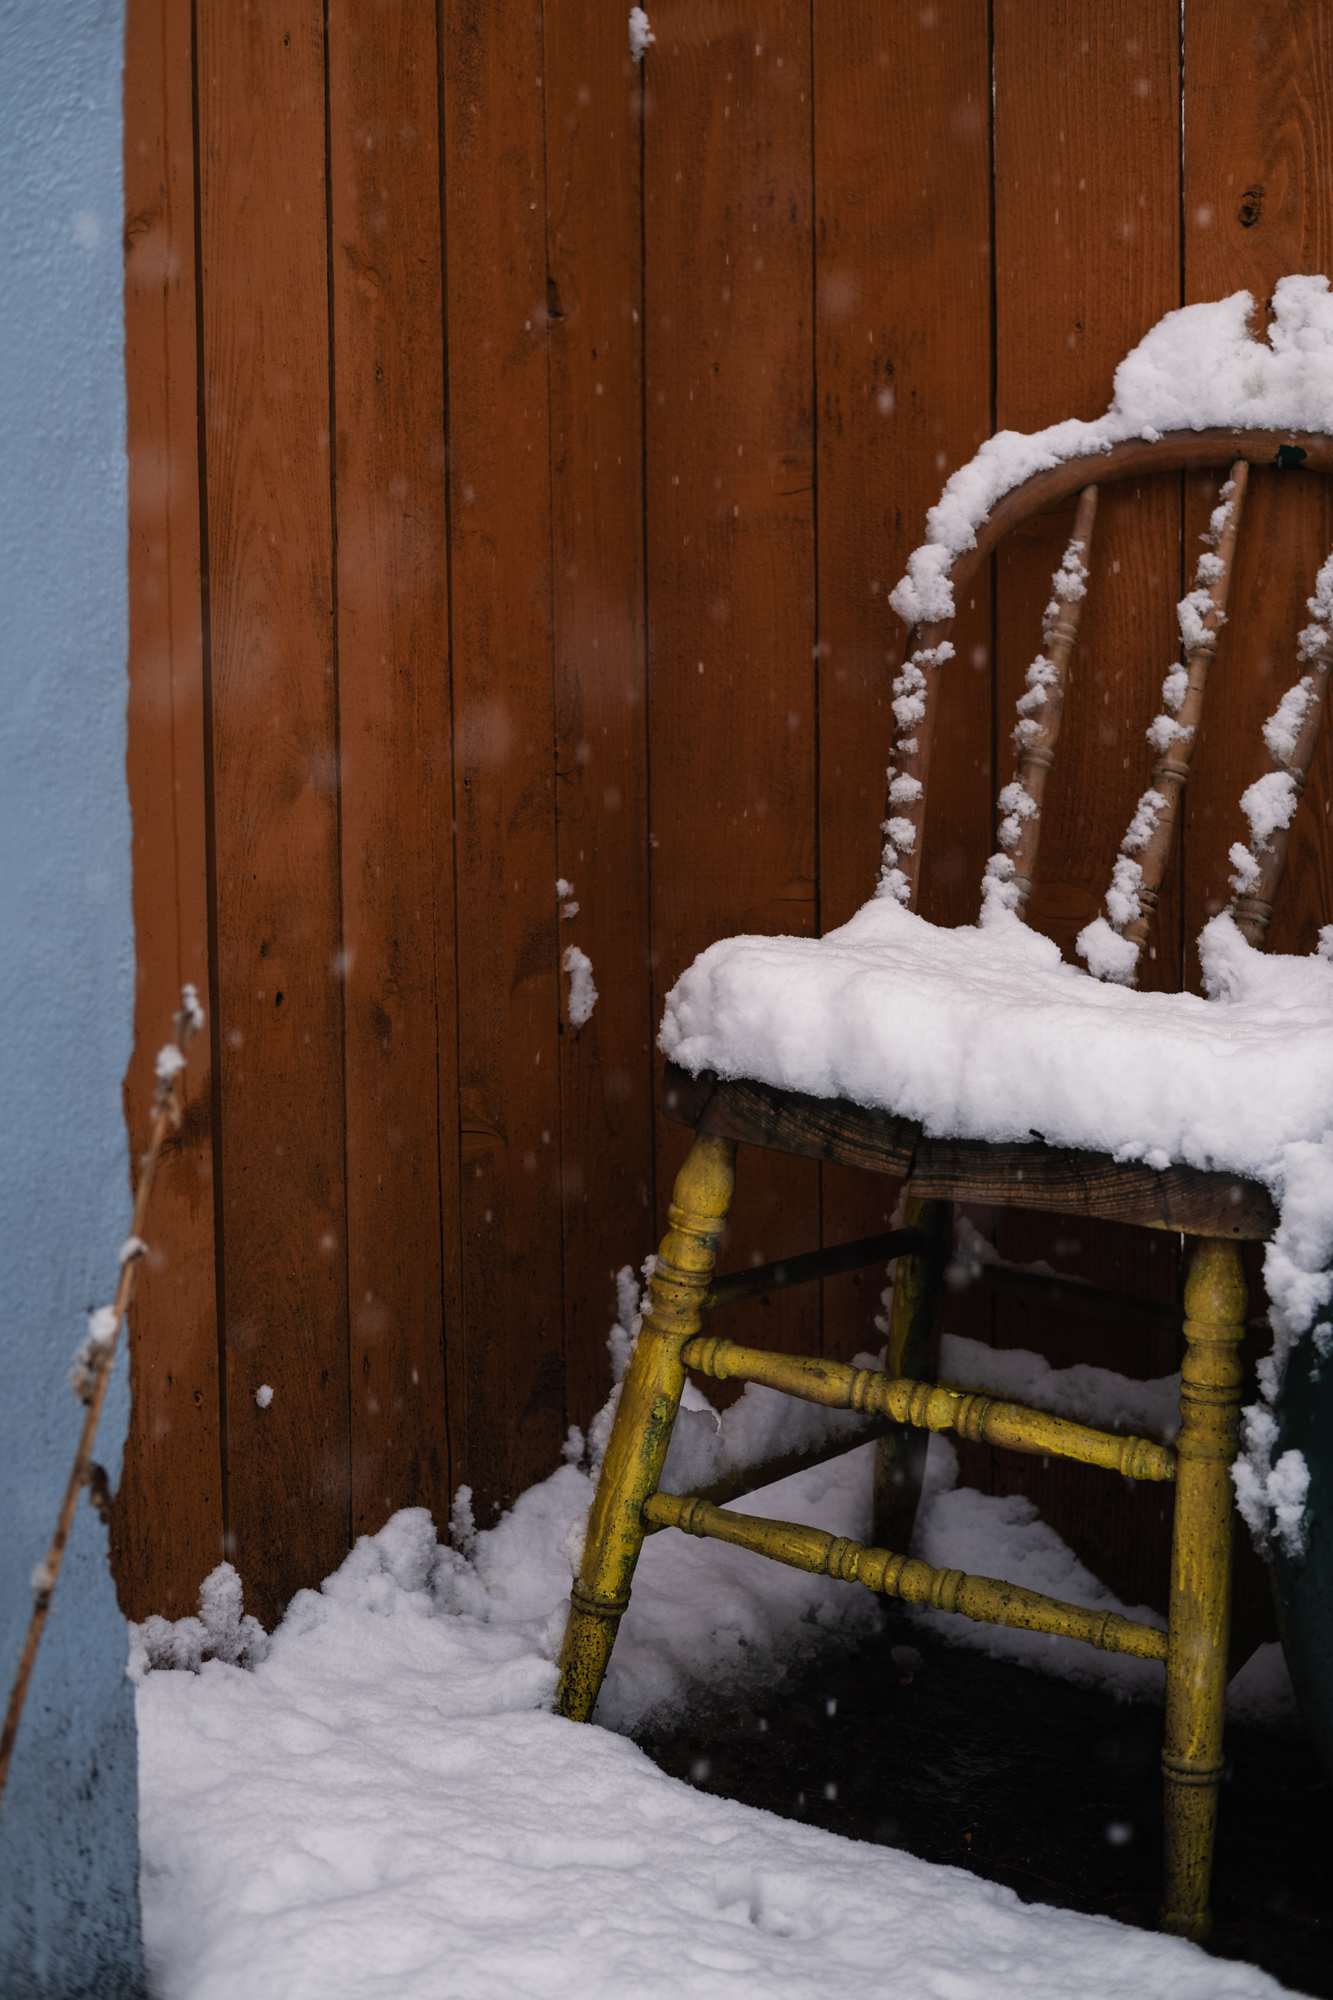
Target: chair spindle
<point x="927" y="649"/>
<point x="1009" y="871"/>
<point x="1290" y="735"/>
<point x="1112" y="949"/>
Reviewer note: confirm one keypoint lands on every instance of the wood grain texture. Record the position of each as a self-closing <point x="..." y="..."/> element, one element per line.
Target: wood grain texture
<point x="1258" y="139"/>
<point x="173" y="1456"/>
<point x="1170" y="774"/>
<point x="730" y="534"/>
<point x="396" y="753"/>
<point x="512" y="1413"/>
<point x="1255" y="208"/>
<point x="812" y="242"/>
<point x="275" y="785"/>
<point x="1080" y="277"/>
<point x="903" y="383"/>
<point x="593" y="97"/>
<point x="1086" y="259"/>
<point x="1055" y="1179"/>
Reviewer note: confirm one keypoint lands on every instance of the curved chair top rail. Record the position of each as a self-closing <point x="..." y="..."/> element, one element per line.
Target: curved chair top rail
<point x="1112" y="944"/>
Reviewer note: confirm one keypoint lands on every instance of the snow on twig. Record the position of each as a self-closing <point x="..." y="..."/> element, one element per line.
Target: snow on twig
<point x="91" y="1368"/>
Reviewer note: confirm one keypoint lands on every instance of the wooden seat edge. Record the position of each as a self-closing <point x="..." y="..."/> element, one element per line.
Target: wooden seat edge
<point x="1038" y="1176"/>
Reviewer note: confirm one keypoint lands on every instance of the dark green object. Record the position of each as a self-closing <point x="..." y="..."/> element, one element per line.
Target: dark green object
<point x="1303" y="1585"/>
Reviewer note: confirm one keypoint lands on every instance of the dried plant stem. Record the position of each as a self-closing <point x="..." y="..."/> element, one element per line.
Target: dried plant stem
<point x="100" y="1360"/>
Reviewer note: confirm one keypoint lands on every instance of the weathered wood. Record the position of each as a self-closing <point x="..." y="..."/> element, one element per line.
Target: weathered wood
<point x="1253" y="903"/>
<point x="1207" y="450"/>
<point x="1079" y="186"/>
<point x="1172" y="769"/>
<point x="274" y="743"/>
<point x="508" y="1397"/>
<point x="1211" y="1388"/>
<point x="1255" y="208"/>
<point x="593" y="99"/>
<point x="733" y="1286"/>
<point x="395" y="753"/>
<point x="1256" y="205"/>
<point x="1174" y="451"/>
<point x="1087" y="238"/>
<point x="929" y="1406"/>
<point x="1061" y="1180"/>
<point x="864" y="347"/>
<point x="902" y="182"/>
<point x="730" y="545"/>
<point x="815" y="1127"/>
<point x="980" y="1597"/>
<point x="173" y="1455"/>
<point x="1040" y="711"/>
<point x="911" y="1348"/>
<point x="1070" y="1182"/>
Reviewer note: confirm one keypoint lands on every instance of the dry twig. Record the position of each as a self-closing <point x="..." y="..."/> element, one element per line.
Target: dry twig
<point x="93" y="1364"/>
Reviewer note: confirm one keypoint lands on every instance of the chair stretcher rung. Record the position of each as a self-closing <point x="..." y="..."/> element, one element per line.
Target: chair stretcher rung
<point x="982" y="1598"/>
<point x="811" y="1264"/>
<point x="932" y="1406"/>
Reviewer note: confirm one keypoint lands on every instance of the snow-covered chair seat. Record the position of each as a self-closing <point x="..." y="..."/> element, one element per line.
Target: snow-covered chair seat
<point x="975" y="1064"/>
<point x="998" y="1060"/>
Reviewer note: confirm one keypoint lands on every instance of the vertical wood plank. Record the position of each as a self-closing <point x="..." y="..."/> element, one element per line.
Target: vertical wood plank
<point x="1086" y="259"/>
<point x="275" y="777"/>
<point x="395" y="767"/>
<point x="595" y="336"/>
<point x="500" y="528"/>
<point x="727" y="206"/>
<point x="1256" y="208"/>
<point x="903" y="186"/>
<point x="173" y="1456"/>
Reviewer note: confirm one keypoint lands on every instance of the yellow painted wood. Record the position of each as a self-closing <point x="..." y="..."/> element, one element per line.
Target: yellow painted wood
<point x="983" y="1598"/>
<point x="932" y="1406"/>
<point x="628" y="1504"/>
<point x="1200" y="1605"/>
<point x="645" y="1418"/>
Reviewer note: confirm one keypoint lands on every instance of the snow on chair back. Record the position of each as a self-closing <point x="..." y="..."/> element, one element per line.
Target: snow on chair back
<point x="1111" y="944"/>
<point x="1111" y="948"/>
<point x="1008" y="877"/>
<point x="1290" y="735"/>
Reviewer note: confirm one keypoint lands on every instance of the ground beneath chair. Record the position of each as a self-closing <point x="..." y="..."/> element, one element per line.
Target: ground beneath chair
<point x="1045" y="1786"/>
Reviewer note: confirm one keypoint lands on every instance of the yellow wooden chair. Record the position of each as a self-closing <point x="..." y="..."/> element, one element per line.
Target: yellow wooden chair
<point x="1214" y="1209"/>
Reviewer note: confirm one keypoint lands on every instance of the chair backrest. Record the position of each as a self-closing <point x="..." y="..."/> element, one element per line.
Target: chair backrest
<point x="1111" y="944"/>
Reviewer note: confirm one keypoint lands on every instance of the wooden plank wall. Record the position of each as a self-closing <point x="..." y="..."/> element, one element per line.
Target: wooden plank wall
<point x="522" y="448"/>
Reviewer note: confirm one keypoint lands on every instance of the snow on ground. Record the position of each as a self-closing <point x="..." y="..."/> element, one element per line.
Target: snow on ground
<point x="382" y="1804"/>
<point x="384" y="1809"/>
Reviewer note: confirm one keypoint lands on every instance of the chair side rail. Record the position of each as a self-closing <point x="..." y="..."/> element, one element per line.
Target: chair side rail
<point x="984" y="1599"/>
<point x="933" y="1406"/>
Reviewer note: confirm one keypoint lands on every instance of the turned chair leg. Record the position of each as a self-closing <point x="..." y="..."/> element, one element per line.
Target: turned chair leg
<point x="1200" y="1607"/>
<point x="645" y="1418"/>
<point x="912" y="1349"/>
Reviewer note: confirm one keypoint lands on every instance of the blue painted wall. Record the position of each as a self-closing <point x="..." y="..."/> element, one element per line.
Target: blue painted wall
<point x="68" y="1826"/>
